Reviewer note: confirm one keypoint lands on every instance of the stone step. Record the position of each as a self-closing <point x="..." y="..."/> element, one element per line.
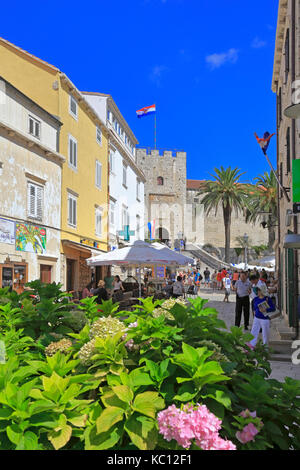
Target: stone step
<point x="281" y="357"/>
<point x="286" y="334"/>
<point x="281" y="346"/>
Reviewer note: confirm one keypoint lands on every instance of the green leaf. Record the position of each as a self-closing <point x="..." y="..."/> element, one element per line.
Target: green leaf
<point x="142" y="432"/>
<point x="60" y="436"/>
<point x="108" y="418"/>
<point x="148" y="403"/>
<point x="30" y="441"/>
<point x="110" y="399"/>
<point x="78" y="421"/>
<point x="123" y="392"/>
<point x="14" y="434"/>
<point x="102" y="441"/>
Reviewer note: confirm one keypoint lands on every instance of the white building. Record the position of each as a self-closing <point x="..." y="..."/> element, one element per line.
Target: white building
<point x="30" y="191"/>
<point x="126" y="180"/>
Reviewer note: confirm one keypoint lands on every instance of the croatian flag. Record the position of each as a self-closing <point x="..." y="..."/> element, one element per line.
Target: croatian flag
<point x="146" y="110"/>
<point x="264" y="141"/>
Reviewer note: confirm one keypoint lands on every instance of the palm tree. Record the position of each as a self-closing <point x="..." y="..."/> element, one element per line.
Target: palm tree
<point x="227" y="192"/>
<point x="263" y="199"/>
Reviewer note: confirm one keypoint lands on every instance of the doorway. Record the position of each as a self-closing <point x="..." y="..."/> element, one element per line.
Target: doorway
<point x="45" y="273"/>
<point x="70" y="274"/>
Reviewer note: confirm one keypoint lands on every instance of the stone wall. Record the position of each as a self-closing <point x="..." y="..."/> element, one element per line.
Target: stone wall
<point x="164" y="202"/>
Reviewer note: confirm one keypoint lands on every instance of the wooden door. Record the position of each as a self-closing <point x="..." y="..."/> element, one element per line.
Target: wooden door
<point x="45" y="273"/>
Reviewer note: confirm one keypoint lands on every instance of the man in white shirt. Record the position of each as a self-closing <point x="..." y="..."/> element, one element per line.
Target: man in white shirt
<point x="243" y="289"/>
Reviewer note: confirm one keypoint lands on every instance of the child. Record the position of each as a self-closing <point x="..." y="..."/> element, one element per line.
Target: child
<point x="227" y="286"/>
<point x="262" y="305"/>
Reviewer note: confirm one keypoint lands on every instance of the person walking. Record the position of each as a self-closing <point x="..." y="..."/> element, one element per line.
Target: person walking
<point x="206" y="277"/>
<point x="243" y="289"/>
<point x="219" y="280"/>
<point x="262" y="305"/>
<point x="227" y="286"/>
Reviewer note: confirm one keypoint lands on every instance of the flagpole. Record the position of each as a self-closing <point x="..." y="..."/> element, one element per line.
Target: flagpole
<point x="277" y="179"/>
<point x="155" y="129"/>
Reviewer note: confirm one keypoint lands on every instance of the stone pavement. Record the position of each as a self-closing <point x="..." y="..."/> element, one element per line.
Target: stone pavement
<point x="280" y="370"/>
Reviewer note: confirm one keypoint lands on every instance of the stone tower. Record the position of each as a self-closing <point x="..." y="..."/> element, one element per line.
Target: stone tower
<point x="165" y="193"/>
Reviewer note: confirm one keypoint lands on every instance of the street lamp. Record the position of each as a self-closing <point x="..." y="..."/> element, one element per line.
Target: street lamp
<point x="246" y="237"/>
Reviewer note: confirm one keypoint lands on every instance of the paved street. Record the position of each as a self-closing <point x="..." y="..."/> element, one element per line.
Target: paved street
<point x="227" y="314"/>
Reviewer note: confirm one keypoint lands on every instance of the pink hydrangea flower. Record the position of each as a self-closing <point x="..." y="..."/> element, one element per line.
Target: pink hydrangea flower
<point x="192" y="422"/>
<point x="247" y="414"/>
<point x="247" y="434"/>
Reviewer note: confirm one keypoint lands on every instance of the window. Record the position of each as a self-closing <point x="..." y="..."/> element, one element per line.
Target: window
<point x="138" y="227"/>
<point x="160" y="181"/>
<point x="108" y="115"/>
<point x="35" y="201"/>
<point x="279" y="107"/>
<point x="72" y="151"/>
<point x="111" y="162"/>
<point x="125" y="176"/>
<point x="98" y="221"/>
<point x="138" y="195"/>
<point x="73" y="107"/>
<point x="72" y="210"/>
<point x="288" y="151"/>
<point x="34" y="127"/>
<point x="116" y="125"/>
<point x="287" y="54"/>
<point x="112" y="210"/>
<point x="98" y="135"/>
<point x="98" y="174"/>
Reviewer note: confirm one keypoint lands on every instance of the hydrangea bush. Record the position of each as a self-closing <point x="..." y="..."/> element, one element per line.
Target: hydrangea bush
<point x="168" y="375"/>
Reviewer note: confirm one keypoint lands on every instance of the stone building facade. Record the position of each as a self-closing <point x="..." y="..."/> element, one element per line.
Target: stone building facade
<point x="285" y="83"/>
<point x="30" y="188"/>
<point x="174" y="209"/>
<point x="165" y="193"/>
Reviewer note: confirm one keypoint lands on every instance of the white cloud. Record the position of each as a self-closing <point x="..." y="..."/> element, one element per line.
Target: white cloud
<point x="217" y="60"/>
<point x="258" y="43"/>
<point x="156" y="73"/>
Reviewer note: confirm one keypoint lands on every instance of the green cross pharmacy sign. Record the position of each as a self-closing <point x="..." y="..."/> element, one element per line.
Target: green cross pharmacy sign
<point x="296" y="186"/>
<point x="126" y="233"/>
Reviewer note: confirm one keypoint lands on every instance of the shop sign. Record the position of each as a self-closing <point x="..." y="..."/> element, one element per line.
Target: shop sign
<point x="91" y="243"/>
<point x="7" y="231"/>
<point x="30" y="238"/>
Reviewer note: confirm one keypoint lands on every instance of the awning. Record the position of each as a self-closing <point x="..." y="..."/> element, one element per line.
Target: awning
<point x="81" y="247"/>
<point x="292" y="240"/>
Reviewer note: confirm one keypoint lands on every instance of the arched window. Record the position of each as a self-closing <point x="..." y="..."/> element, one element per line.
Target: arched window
<point x="160" y="181"/>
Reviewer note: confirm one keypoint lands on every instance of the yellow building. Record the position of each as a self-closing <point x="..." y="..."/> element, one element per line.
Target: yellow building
<point x="83" y="141"/>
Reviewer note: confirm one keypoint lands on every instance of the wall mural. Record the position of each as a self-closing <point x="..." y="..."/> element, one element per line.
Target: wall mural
<point x="30" y="238"/>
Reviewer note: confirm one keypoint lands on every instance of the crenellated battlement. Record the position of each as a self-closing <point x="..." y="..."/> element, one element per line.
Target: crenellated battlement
<point x="161" y="152"/>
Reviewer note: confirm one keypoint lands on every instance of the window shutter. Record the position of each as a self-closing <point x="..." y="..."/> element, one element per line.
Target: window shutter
<point x="69" y="210"/>
<point x="31" y="200"/>
<point x="39" y="202"/>
<point x="74" y="212"/>
<point x="98" y="174"/>
<point x="75" y="154"/>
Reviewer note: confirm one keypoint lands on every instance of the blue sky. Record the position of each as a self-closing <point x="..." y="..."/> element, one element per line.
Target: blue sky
<point x="207" y="66"/>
